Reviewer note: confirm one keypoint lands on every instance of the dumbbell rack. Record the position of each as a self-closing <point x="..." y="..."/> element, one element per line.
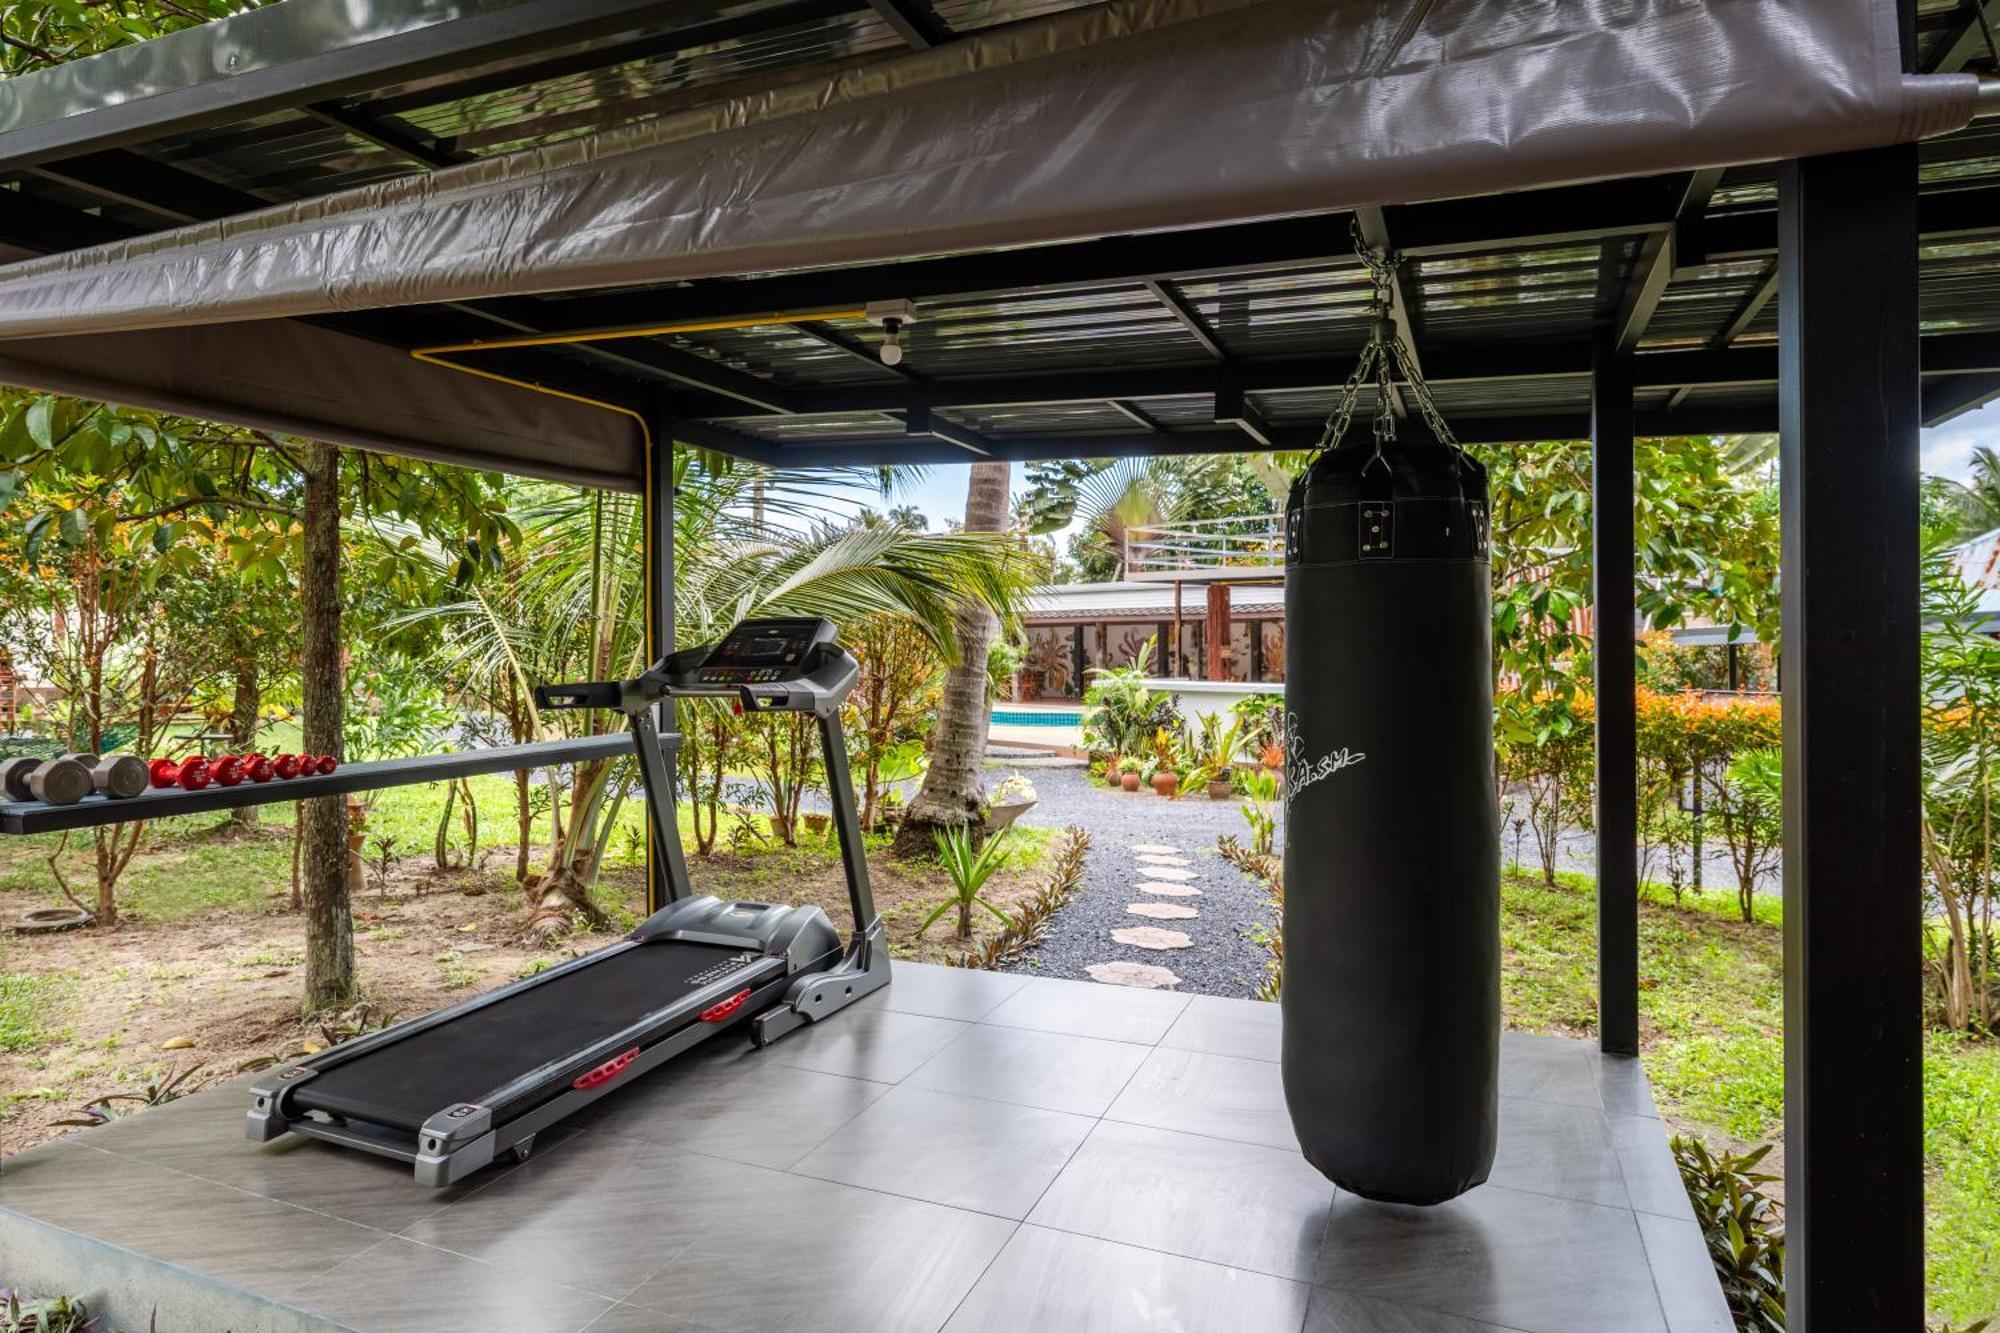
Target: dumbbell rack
<point x="35" y="817"/>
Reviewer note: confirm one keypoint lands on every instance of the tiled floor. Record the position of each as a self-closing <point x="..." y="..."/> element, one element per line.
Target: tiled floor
<point x="963" y="1151"/>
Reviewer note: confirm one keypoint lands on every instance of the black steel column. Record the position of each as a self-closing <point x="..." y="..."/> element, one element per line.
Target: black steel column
<point x="1612" y="616"/>
<point x="658" y="517"/>
<point x="1848" y="417"/>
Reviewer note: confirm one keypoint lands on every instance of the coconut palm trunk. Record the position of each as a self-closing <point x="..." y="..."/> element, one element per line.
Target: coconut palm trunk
<point x="953" y="794"/>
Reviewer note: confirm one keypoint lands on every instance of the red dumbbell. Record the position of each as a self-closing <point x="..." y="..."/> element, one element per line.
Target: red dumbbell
<point x="191" y="774"/>
<point x="227" y="771"/>
<point x="324" y="764"/>
<point x="257" y="768"/>
<point x="286" y="766"/>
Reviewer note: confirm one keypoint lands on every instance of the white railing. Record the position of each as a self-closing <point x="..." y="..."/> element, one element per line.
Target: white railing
<point x="1204" y="546"/>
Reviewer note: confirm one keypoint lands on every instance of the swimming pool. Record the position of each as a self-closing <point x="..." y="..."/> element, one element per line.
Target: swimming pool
<point x="1017" y="717"/>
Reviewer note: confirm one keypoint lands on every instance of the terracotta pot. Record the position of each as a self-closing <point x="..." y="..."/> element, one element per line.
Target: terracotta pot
<point x="1220" y="790"/>
<point x="1129" y="781"/>
<point x="818" y="823"/>
<point x="781" y="827"/>
<point x="1166" y="784"/>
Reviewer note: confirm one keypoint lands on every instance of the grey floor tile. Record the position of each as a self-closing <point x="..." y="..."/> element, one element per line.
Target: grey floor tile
<point x="1549" y="1069"/>
<point x="603" y="1215"/>
<point x="207" y="1228"/>
<point x="1228" y="1203"/>
<point x="1621" y="1085"/>
<point x="749" y="1110"/>
<point x="1651" y="1178"/>
<point x="630" y="1319"/>
<point x="403" y="1287"/>
<point x="1217" y="1095"/>
<point x="1081" y="1075"/>
<point x="964" y="993"/>
<point x="1086" y="1009"/>
<point x="962" y="1151"/>
<point x="1349" y="1312"/>
<point x="203" y="1136"/>
<point x="1684" y="1276"/>
<point x="1249" y="1029"/>
<point x="833" y="1259"/>
<point x="1555" y="1148"/>
<point x="873" y="1044"/>
<point x="1050" y="1280"/>
<point x="1519" y="1260"/>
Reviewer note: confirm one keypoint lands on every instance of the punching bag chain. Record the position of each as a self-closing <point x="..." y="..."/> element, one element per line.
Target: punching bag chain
<point x="1383" y="357"/>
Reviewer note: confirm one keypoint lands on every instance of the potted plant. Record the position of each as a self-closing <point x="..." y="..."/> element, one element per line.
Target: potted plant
<point x="1261" y="720"/>
<point x="1012" y="798"/>
<point x="1130" y="770"/>
<point x="1215" y="747"/>
<point x="1167" y="754"/>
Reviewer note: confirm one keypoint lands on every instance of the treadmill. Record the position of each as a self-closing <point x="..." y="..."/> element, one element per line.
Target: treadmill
<point x="451" y="1091"/>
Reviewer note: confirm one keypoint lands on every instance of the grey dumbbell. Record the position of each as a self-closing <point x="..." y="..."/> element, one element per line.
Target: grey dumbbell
<point x="14" y="778"/>
<point x="120" y="776"/>
<point x="63" y="780"/>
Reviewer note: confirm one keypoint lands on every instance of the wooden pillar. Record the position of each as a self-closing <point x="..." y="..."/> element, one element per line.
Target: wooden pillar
<point x="1216" y="636"/>
<point x="1612" y="619"/>
<point x="1848" y="419"/>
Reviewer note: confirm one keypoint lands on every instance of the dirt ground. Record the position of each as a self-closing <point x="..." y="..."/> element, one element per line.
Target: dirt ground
<point x="218" y="991"/>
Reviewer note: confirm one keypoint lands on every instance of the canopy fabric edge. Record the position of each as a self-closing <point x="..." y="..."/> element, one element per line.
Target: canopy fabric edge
<point x="1144" y="115"/>
<point x="293" y="379"/>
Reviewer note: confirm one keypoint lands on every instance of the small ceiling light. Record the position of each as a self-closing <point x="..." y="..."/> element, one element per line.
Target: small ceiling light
<point x="892" y="317"/>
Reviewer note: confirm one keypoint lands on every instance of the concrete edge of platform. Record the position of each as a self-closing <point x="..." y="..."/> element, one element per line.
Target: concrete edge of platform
<point x="132" y="1292"/>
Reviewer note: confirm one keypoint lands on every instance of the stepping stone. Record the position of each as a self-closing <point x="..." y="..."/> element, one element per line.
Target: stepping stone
<point x="1152" y="937"/>
<point x="1163" y="911"/>
<point x="1157" y="848"/>
<point x="1170" y="890"/>
<point x="1143" y="976"/>
<point x="1152" y="860"/>
<point x="1168" y="872"/>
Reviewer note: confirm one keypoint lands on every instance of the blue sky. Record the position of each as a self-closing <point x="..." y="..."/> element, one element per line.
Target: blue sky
<point x="940" y="493"/>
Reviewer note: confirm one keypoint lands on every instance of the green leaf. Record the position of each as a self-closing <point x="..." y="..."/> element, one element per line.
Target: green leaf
<point x="41" y="422"/>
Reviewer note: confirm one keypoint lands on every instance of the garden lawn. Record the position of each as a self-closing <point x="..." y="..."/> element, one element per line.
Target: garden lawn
<point x="1711" y="1014"/>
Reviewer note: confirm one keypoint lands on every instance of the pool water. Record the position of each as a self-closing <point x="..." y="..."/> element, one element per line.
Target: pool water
<point x="1014" y="717"/>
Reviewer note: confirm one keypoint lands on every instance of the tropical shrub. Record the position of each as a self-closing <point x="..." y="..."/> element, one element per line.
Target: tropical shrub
<point x="1746" y="1240"/>
<point x="969" y="867"/>
<point x="1119" y="707"/>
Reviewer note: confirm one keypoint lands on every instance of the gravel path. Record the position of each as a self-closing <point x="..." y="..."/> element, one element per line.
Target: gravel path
<point x="1221" y="958"/>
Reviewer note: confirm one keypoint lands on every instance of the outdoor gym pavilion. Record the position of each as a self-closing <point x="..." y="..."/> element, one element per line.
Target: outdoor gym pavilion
<point x="556" y="237"/>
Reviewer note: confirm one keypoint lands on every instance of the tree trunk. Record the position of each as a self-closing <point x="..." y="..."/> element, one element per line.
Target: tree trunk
<point x="323" y="822"/>
<point x="953" y="794"/>
<point x="246" y="702"/>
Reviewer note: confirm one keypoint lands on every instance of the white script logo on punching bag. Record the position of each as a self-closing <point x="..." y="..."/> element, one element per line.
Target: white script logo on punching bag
<point x="1301" y="772"/>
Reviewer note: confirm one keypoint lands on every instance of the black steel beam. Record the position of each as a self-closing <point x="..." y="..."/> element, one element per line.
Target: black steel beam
<point x="1135" y="414"/>
<point x="33" y="224"/>
<point x="1188" y="318"/>
<point x="1614" y="613"/>
<point x="120" y="176"/>
<point x="657" y="507"/>
<point x="1941" y="215"/>
<point x="1848" y="469"/>
<point x="1233" y="408"/>
<point x="1956" y="395"/>
<point x="358" y="121"/>
<point x="922" y="421"/>
<point x="1969" y="42"/>
<point x="94" y="811"/>
<point x="855" y="348"/>
<point x="303" y="51"/>
<point x="913" y="22"/>
<point x="1654" y="269"/>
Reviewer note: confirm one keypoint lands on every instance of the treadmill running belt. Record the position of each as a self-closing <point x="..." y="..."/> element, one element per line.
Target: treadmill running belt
<point x="406" y="1082"/>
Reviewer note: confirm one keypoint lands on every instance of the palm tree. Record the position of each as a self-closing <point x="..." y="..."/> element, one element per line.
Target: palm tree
<point x="570" y="605"/>
<point x="953" y="794"/>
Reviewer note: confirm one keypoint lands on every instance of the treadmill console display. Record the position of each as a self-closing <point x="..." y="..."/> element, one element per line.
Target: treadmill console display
<point x="761" y="652"/>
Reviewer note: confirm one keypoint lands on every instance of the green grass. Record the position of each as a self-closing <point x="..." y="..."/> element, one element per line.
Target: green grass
<point x="25" y="1004"/>
<point x="1711" y="1001"/>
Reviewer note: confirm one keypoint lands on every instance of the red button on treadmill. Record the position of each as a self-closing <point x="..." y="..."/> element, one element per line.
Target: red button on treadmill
<point x="715" y="1013"/>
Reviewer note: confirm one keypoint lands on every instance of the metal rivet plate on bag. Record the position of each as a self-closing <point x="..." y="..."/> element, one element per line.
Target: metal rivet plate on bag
<point x="1375" y="536"/>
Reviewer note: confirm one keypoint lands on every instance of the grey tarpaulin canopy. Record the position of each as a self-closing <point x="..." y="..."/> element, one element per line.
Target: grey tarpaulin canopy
<point x="1101" y="120"/>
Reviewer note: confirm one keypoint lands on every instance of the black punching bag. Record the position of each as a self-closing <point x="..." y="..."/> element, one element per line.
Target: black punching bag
<point x="1392" y="837"/>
